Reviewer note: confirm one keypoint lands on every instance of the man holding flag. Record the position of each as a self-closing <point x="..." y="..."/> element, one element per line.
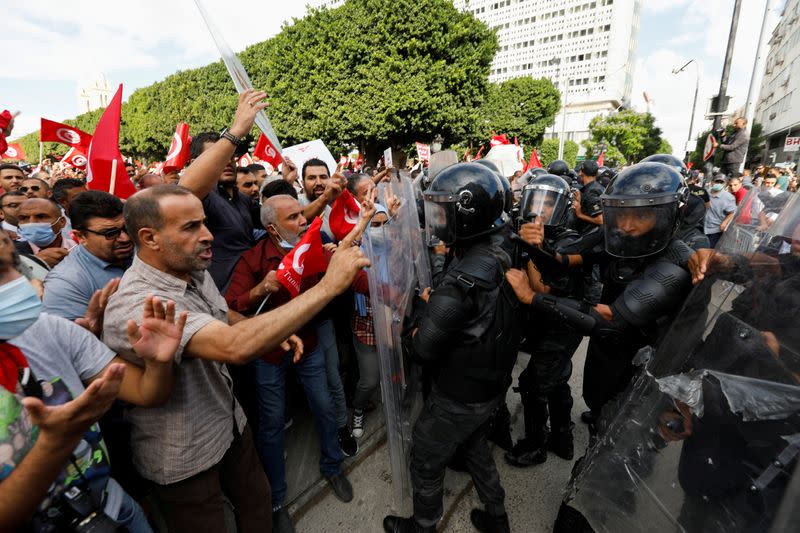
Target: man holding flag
<point x="289" y="262"/>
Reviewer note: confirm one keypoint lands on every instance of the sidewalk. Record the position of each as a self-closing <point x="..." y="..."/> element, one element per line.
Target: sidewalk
<point x="533" y="495"/>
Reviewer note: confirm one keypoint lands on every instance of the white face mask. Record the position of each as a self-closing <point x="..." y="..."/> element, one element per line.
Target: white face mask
<point x="285" y="243"/>
<point x="20" y="307"/>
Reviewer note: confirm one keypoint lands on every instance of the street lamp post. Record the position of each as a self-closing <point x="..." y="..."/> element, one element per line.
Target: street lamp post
<point x="694" y="102"/>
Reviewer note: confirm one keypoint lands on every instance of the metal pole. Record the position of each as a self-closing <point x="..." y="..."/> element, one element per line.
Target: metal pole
<point x="563" y="121"/>
<point x="694" y="108"/>
<point x="757" y="76"/>
<point x="726" y="69"/>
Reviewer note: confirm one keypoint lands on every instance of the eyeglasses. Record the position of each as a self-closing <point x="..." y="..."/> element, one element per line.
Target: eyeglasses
<point x="34" y="188"/>
<point x="109" y="234"/>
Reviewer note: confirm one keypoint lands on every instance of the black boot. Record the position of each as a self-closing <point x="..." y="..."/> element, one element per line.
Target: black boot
<point x="399" y="524"/>
<point x="527" y="452"/>
<point x="561" y="443"/>
<point x="486" y="523"/>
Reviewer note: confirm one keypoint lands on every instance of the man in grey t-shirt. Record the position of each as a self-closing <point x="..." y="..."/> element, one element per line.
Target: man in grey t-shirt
<point x="722" y="205"/>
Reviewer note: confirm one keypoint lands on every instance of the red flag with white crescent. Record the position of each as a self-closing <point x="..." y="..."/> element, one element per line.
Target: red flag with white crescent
<point x="307" y="258"/>
<point x="266" y="152"/>
<point x="57" y="132"/>
<point x="13" y="151"/>
<point x="178" y="154"/>
<point x="245" y="161"/>
<point x="344" y="215"/>
<point x="104" y="150"/>
<point x="75" y="158"/>
<point x="710" y="147"/>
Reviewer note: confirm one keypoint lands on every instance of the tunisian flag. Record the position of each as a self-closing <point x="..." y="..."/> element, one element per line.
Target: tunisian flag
<point x="13" y="151"/>
<point x="266" y="152"/>
<point x="65" y="134"/>
<point x="75" y="158"/>
<point x="178" y="154"/>
<point x="305" y="259"/>
<point x="5" y="119"/>
<point x="245" y="161"/>
<point x="103" y="174"/>
<point x="344" y="215"/>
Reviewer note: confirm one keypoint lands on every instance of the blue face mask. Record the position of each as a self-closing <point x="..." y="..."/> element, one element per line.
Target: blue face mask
<point x="19" y="308"/>
<point x="286" y="245"/>
<point x="38" y="233"/>
<point x="717" y="187"/>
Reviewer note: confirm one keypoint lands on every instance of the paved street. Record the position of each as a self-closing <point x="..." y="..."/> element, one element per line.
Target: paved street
<point x="532" y="495"/>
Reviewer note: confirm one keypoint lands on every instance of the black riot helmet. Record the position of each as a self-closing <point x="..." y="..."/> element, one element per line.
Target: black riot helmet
<point x="546" y="198"/>
<point x="605" y="174"/>
<point x="670" y="160"/>
<point x="508" y="194"/>
<point x="464" y="201"/>
<point x="558" y="167"/>
<point x="642" y="209"/>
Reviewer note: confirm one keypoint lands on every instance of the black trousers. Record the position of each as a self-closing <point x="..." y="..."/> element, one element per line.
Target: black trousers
<point x="544" y="384"/>
<point x="606" y="373"/>
<point x="444" y="425"/>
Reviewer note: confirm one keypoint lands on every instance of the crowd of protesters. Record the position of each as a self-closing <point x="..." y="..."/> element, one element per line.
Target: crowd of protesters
<point x="169" y="302"/>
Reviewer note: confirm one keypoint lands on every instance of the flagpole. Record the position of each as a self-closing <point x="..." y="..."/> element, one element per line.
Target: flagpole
<point x="113" y="176"/>
<point x="41" y="148"/>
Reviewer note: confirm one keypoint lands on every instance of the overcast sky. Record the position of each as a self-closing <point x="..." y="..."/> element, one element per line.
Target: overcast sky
<point x="52" y="47"/>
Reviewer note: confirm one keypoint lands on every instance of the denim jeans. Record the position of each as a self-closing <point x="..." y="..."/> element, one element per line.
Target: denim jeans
<point x="123" y="509"/>
<point x="327" y="342"/>
<point x="271" y="392"/>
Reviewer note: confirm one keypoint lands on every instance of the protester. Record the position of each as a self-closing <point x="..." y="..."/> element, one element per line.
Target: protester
<point x="150" y="180"/>
<point x="198" y="447"/>
<point x="41" y="225"/>
<point x="736" y="188"/>
<point x="255" y="287"/>
<point x="9" y="209"/>
<point x="65" y="190"/>
<point x="247" y="183"/>
<point x="320" y="189"/>
<point x="260" y="173"/>
<point x="65" y="357"/>
<point x="35" y="188"/>
<point x="11" y="177"/>
<point x="720" y="211"/>
<point x="230" y="213"/>
<point x="735" y="147"/>
<point x="103" y="254"/>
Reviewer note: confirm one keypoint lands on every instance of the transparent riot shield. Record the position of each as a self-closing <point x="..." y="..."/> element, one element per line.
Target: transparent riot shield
<point x="707" y="437"/>
<point x="399" y="261"/>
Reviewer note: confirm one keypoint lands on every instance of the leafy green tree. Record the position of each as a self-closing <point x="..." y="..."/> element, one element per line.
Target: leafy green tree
<point x="548" y="152"/>
<point x="634" y="134"/>
<point x="373" y="72"/>
<point x="519" y="107"/>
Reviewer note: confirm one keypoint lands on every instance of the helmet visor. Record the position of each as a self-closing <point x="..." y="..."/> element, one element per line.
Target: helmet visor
<point x="638" y="231"/>
<point x="544" y="205"/>
<point x="439" y="222"/>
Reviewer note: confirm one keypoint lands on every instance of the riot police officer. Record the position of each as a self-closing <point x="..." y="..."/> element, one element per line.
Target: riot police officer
<point x="644" y="274"/>
<point x="690" y="230"/>
<point x="544" y="384"/>
<point x="470" y="330"/>
<point x="559" y="167"/>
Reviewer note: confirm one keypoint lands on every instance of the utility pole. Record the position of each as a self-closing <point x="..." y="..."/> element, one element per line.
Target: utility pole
<point x="726" y="69"/>
<point x="694" y="102"/>
<point x="758" y="73"/>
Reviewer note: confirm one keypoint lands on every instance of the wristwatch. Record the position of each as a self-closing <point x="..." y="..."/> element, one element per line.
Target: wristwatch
<point x="236" y="141"/>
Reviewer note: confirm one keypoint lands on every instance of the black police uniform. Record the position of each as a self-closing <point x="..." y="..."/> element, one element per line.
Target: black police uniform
<point x="458" y="334"/>
<point x="645" y="278"/>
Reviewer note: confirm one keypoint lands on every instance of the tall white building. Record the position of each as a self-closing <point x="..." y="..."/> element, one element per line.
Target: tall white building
<point x="586" y="47"/>
<point x="778" y="107"/>
<point x="94" y="94"/>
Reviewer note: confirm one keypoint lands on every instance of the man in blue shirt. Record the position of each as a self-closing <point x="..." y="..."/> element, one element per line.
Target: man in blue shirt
<point x="104" y="253"/>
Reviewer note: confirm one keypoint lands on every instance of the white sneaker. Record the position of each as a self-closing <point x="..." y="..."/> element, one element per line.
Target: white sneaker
<point x="358" y="425"/>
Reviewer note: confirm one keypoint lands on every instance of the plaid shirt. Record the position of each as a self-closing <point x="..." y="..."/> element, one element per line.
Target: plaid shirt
<point x="363" y="326"/>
